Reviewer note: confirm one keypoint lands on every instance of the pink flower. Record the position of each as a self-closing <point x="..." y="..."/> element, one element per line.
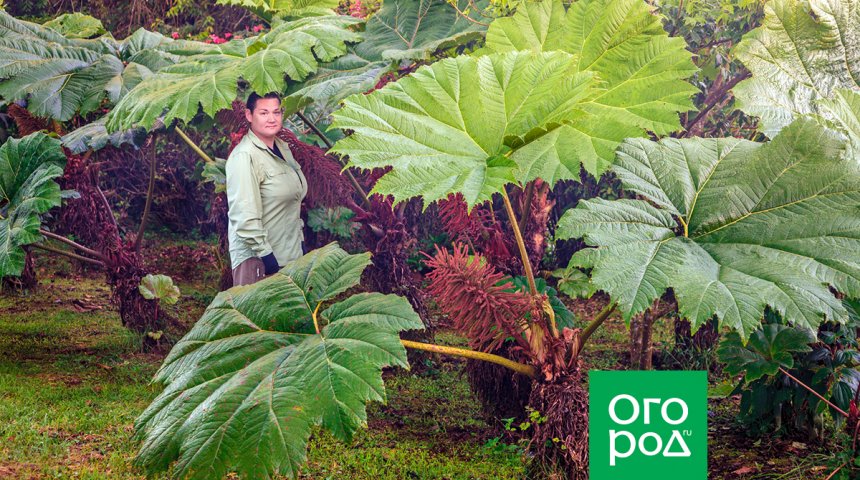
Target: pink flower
<point x="355" y="9"/>
<point x="175" y="35"/>
<point x="257" y="28"/>
<point x="216" y="39"/>
<point x="228" y="35"/>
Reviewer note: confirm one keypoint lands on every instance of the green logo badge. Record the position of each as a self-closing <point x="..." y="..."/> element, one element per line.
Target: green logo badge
<point x="645" y="424"/>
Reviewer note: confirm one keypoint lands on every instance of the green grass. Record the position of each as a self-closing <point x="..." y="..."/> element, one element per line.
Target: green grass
<point x="72" y="382"/>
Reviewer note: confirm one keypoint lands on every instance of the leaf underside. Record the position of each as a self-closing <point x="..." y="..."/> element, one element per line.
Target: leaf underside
<point x="802" y="54"/>
<point x="402" y="30"/>
<point x="28" y="167"/>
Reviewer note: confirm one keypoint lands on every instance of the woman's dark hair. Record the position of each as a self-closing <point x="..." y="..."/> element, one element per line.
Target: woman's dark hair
<point x="252" y="99"/>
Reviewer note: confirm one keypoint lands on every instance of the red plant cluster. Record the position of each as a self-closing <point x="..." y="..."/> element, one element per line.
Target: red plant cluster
<point x="534" y="232"/>
<point x="25" y="122"/>
<point x="479" y="228"/>
<point x="90" y="219"/>
<point x="481" y="303"/>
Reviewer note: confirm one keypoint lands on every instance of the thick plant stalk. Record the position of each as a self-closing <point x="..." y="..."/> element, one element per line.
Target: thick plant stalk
<point x="598" y="320"/>
<point x="72" y="244"/>
<point x="69" y="254"/>
<point x="521" y="244"/>
<point x="526" y="370"/>
<point x="143" y="219"/>
<point x="199" y="151"/>
<point x="355" y="185"/>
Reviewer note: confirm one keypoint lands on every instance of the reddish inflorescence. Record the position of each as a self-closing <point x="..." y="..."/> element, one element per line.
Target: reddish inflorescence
<point x="482" y="305"/>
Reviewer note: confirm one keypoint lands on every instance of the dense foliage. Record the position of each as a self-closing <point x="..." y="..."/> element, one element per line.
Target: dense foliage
<point x="267" y="361"/>
<point x="28" y="169"/>
<point x="478" y="108"/>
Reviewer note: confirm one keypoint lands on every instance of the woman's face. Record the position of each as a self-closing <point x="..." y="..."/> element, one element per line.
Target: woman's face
<point x="267" y="118"/>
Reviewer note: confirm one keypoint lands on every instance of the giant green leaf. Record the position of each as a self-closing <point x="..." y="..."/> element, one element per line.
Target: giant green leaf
<point x="246" y="383"/>
<point x="843" y="112"/>
<point x="770" y="347"/>
<point x="402" y="30"/>
<point x="77" y="25"/>
<point x="803" y="51"/>
<point x="60" y="76"/>
<point x="210" y="80"/>
<point x="641" y="68"/>
<point x="28" y="167"/>
<point x="731" y="226"/>
<point x="290" y="8"/>
<point x="94" y="135"/>
<point x="451" y="126"/>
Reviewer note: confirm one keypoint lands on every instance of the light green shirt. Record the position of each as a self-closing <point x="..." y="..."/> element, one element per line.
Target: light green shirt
<point x="264" y="199"/>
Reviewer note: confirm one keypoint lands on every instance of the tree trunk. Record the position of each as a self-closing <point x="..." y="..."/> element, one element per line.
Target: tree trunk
<point x="640" y="341"/>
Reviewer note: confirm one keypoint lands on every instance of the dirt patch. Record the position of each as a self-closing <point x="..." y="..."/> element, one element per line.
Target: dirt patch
<point x="85" y="449"/>
<point x="22" y="471"/>
<point x="60" y="379"/>
<point x="732" y="455"/>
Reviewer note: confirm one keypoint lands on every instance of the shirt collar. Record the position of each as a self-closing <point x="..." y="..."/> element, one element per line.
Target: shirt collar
<point x="282" y="146"/>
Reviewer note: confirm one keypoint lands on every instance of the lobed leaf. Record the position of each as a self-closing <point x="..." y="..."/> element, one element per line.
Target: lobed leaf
<point x="28" y="167"/>
<point x="402" y="30"/>
<point x="802" y="53"/>
<point x="159" y="287"/>
<point x="731" y="226"/>
<point x="77" y="25"/>
<point x="471" y="125"/>
<point x="209" y="80"/>
<point x="770" y="347"/>
<point x="642" y="70"/>
<point x="449" y="126"/>
<point x="244" y="386"/>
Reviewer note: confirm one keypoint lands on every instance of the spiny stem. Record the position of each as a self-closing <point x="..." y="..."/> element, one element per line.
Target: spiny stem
<point x="68" y="254"/>
<point x="149" y="194"/>
<point x="72" y="244"/>
<point x="199" y="151"/>
<point x="784" y="371"/>
<point x="522" y="368"/>
<point x="355" y="185"/>
<point x="527" y="266"/>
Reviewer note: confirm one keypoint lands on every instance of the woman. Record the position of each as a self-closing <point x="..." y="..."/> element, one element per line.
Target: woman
<point x="265" y="189"/>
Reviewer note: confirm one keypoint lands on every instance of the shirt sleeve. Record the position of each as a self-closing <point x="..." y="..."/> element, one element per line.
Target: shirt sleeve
<point x="245" y="206"/>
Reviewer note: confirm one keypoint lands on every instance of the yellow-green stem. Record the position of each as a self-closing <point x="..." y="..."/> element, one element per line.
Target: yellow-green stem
<point x="521" y="244"/>
<point x="522" y="368"/>
<point x="598" y="321"/>
<point x="193" y="146"/>
<point x="316" y="322"/>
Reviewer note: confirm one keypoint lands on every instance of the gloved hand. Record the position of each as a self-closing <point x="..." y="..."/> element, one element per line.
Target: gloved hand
<point x="271" y="264"/>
